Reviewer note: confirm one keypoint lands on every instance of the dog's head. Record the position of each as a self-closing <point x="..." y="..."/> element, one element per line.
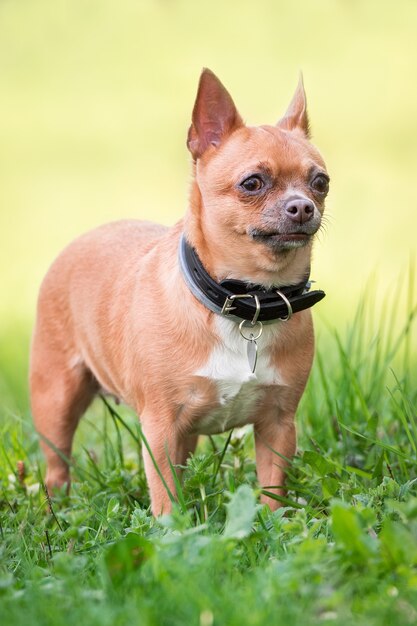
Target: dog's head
<point x="258" y="192"/>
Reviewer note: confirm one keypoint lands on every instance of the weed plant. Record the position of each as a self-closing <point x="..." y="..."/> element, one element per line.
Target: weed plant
<point x="342" y="549"/>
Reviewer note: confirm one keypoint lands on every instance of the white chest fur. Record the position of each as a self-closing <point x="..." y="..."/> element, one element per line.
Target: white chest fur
<point x="239" y="390"/>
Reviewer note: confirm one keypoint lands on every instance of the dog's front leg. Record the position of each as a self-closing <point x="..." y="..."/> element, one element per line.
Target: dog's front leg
<point x="275" y="444"/>
<point x="164" y="448"/>
<point x="160" y="449"/>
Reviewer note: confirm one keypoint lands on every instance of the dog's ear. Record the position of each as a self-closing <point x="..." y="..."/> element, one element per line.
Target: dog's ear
<point x="214" y="115"/>
<point x="296" y="114"/>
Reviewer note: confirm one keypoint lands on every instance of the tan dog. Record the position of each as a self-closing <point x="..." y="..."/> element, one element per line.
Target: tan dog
<point x="159" y="316"/>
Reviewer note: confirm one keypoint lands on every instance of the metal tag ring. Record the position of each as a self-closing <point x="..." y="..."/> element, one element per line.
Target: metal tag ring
<point x="289" y="307"/>
<point x="252" y="327"/>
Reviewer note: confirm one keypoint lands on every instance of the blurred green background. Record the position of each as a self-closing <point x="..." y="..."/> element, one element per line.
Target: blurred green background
<point x="96" y="98"/>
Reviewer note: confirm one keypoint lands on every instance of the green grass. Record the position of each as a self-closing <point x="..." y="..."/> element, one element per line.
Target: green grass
<point x="342" y="550"/>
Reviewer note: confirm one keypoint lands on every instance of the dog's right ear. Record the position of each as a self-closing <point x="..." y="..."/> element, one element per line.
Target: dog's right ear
<point x="296" y="114"/>
<point x="214" y="115"/>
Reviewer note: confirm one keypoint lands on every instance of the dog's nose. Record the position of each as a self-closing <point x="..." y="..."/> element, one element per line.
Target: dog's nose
<point x="299" y="210"/>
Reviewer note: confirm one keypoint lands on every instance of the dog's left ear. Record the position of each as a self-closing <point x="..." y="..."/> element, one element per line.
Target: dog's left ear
<point x="296" y="114"/>
<point x="214" y="115"/>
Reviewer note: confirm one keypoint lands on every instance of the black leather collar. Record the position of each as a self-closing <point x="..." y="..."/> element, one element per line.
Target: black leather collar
<point x="239" y="300"/>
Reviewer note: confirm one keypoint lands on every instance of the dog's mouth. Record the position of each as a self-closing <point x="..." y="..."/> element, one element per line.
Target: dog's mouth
<point x="276" y="239"/>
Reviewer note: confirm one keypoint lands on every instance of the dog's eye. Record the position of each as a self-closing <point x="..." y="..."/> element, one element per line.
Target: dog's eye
<point x="253" y="183"/>
<point x="320" y="183"/>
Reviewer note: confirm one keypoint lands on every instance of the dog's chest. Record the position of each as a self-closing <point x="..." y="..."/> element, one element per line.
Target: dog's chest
<point x="239" y="391"/>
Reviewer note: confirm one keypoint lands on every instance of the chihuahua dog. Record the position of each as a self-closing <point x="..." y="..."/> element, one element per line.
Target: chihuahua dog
<point x="201" y="327"/>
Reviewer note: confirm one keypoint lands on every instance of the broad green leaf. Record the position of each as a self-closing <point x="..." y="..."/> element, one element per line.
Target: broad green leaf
<point x="241" y="511"/>
<point x="330" y="486"/>
<point x="112" y="507"/>
<point x="318" y="463"/>
<point x="126" y="556"/>
<point x="350" y="534"/>
<point x="399" y="546"/>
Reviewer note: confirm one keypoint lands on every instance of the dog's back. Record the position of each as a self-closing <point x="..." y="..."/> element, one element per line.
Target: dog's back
<point x="84" y="290"/>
